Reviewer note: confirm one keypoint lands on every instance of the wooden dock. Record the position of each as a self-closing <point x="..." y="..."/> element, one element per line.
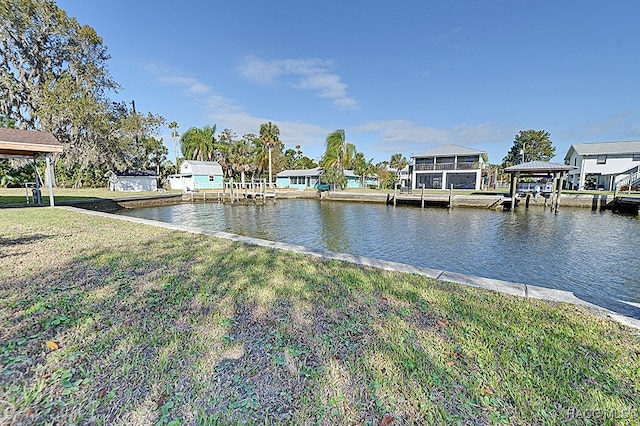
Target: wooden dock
<point x="235" y="192"/>
<point x="448" y="200"/>
<point x="626" y="204"/>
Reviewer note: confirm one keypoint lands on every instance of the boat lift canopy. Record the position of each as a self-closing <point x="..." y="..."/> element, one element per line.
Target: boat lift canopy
<point x="538" y="169"/>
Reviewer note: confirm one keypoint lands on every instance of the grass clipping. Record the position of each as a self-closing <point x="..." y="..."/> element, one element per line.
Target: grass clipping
<point x="106" y="322"/>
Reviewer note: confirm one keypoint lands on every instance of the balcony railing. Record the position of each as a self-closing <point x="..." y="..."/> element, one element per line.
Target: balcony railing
<point x="448" y="166"/>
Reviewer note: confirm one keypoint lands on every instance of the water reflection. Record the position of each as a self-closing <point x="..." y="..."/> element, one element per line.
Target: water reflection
<point x="588" y="253"/>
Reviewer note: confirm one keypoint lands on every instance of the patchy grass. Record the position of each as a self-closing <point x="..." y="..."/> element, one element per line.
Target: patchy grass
<point x="154" y="326"/>
<point x="18" y="195"/>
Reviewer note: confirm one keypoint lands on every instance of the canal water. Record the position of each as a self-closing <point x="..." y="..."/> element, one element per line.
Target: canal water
<point x="592" y="254"/>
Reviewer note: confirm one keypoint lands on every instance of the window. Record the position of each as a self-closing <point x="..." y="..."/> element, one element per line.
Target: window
<point x="575" y="161"/>
<point x="428" y="160"/>
<point x="636" y="157"/>
<point x="212" y="178"/>
<point x="602" y="159"/>
<point x="430" y="181"/>
<point x="445" y="160"/>
<point x="297" y="180"/>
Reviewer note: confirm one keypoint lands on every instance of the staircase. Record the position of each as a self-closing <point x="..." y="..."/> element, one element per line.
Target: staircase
<point x="631" y="178"/>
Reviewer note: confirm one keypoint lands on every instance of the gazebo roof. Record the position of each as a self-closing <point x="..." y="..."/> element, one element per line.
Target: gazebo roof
<point x="539" y="167"/>
<point x="27" y="143"/>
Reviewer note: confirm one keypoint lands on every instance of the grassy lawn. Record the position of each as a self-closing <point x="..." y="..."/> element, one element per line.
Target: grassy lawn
<point x="18" y="195"/>
<point x="106" y="322"/>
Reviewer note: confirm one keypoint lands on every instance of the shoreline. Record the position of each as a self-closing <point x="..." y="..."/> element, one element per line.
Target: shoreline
<point x="505" y="287"/>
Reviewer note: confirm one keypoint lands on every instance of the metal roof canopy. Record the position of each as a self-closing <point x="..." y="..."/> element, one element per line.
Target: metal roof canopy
<point x="28" y="144"/>
<point x="537" y="169"/>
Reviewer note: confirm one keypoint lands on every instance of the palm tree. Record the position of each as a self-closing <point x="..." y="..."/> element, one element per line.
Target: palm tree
<point x="199" y="144"/>
<point x="338" y="155"/>
<point x="240" y="155"/>
<point x="174" y="134"/>
<point x="398" y="162"/>
<point x="270" y="137"/>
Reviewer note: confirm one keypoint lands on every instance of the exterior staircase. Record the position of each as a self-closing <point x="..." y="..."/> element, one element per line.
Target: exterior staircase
<point x="629" y="178"/>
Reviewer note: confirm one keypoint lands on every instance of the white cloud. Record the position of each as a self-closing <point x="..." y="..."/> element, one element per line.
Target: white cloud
<point x="408" y="137"/>
<point x="305" y="74"/>
<point x="191" y="85"/>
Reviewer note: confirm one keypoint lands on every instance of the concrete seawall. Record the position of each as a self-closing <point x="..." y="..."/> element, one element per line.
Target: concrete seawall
<point x="476" y="200"/>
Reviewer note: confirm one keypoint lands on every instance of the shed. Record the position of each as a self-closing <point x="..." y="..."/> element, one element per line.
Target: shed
<point x="134" y="181"/>
<point x="28" y="144"/>
<point x="201" y="175"/>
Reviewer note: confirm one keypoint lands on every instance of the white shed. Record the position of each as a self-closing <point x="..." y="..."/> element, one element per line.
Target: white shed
<point x="137" y="181"/>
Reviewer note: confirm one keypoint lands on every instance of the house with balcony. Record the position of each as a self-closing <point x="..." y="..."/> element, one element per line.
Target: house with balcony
<point x="603" y="165"/>
<point x="441" y="167"/>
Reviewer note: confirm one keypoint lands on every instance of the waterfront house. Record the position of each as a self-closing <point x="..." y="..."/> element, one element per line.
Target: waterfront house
<point x="441" y="167"/>
<point x="603" y="165"/>
<point x="134" y="181"/>
<point x="353" y="180"/>
<point x="299" y="179"/>
<point x="310" y="178"/>
<point x="199" y="175"/>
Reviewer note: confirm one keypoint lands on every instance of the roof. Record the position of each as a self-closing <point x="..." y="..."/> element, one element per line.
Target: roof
<point x="211" y="168"/>
<point x="447" y="150"/>
<point x="539" y="167"/>
<point x="137" y="173"/>
<point x="27" y="143"/>
<point x="604" y="148"/>
<point x="303" y="172"/>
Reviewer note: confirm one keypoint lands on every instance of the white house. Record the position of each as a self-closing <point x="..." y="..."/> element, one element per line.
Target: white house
<point x="441" y="167"/>
<point x="602" y="165"/>
<point x="137" y="181"/>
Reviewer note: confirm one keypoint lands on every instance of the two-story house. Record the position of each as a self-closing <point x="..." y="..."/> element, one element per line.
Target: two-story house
<point x="602" y="165"/>
<point x="441" y="167"/>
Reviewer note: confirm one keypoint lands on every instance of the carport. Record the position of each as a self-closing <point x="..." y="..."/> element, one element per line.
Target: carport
<point x="30" y="145"/>
<point x="539" y="169"/>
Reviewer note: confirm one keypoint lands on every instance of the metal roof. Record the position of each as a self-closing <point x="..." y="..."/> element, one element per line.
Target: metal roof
<point x="137" y="173"/>
<point x="447" y="150"/>
<point x="539" y="167"/>
<point x="604" y="148"/>
<point x="210" y="168"/>
<point x="302" y="172"/>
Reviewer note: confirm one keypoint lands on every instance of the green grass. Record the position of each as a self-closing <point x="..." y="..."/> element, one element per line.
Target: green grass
<point x="161" y="327"/>
<point x="18" y="195"/>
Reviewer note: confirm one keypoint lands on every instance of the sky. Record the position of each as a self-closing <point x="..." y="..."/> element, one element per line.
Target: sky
<point x="399" y="77"/>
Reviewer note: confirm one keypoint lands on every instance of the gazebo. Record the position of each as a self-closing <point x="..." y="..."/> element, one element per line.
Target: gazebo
<point x="539" y="169"/>
<point x="28" y="144"/>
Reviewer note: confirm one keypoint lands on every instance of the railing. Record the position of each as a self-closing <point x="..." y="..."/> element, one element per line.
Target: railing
<point x="448" y="166"/>
<point x="629" y="181"/>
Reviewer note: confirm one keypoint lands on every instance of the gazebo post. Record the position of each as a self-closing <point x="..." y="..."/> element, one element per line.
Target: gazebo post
<point x="514" y="184"/>
<point x="52" y="202"/>
<point x="559" y="191"/>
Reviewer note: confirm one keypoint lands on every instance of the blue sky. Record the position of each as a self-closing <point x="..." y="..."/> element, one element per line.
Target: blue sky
<point x="403" y="76"/>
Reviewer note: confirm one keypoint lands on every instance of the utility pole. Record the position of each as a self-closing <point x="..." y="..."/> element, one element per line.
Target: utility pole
<point x="133" y="104"/>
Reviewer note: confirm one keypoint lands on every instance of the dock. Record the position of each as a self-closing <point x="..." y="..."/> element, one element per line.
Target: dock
<point x="449" y="200"/>
<point x="235" y="192"/>
<point x="626" y="204"/>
